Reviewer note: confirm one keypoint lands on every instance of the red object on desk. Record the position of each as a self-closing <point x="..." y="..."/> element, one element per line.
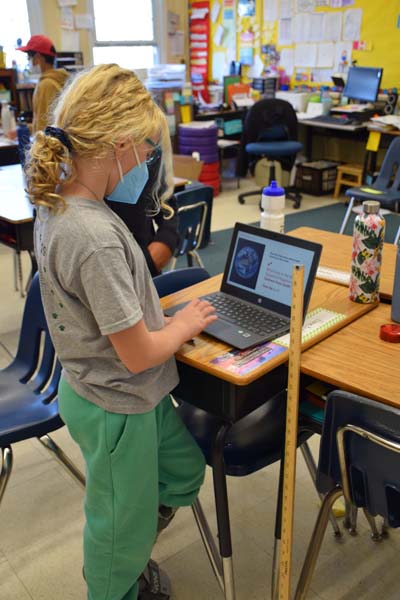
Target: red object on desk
<point x="390" y="333"/>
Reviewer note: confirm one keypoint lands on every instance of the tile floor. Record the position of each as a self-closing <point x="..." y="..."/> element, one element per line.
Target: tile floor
<point x="41" y="513"/>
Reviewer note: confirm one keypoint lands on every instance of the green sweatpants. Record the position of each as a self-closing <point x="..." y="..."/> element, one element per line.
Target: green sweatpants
<point x="134" y="463"/>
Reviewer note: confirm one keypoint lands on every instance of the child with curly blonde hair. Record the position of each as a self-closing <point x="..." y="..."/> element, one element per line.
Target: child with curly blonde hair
<point x="115" y="346"/>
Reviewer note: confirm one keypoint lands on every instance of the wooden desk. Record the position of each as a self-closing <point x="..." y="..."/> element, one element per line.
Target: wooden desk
<point x="336" y="254"/>
<point x="228" y="395"/>
<point x="357" y="360"/>
<point x="345" y="132"/>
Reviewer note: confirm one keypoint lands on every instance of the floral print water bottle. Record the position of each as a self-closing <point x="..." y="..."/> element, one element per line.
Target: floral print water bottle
<point x="366" y="258"/>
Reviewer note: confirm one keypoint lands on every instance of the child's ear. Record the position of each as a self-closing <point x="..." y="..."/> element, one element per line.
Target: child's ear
<point x="121" y="147"/>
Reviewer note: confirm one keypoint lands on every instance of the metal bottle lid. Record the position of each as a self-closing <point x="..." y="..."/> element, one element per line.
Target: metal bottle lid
<point x="371" y="206"/>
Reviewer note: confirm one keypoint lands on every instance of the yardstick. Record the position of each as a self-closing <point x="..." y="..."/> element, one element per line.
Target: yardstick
<point x="292" y="410"/>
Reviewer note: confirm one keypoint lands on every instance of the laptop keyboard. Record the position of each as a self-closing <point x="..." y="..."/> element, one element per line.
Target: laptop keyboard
<point x="245" y="315"/>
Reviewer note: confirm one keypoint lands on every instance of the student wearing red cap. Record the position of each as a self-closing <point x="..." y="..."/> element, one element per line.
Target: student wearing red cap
<point x="42" y="54"/>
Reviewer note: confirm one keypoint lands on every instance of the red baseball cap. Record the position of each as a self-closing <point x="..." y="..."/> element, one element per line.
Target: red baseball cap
<point x="41" y="44"/>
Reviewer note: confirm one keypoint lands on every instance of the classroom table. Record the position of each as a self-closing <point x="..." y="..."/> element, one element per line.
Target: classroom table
<point x="357" y="360"/>
<point x="16" y="215"/>
<point x="9" y="154"/>
<point x="209" y="386"/>
<point x="336" y="254"/>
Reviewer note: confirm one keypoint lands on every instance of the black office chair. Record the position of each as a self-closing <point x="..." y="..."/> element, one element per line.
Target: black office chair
<point x="270" y="131"/>
<point x="385" y="189"/>
<point x="28" y="390"/>
<point x="360" y="459"/>
<point x="250" y="444"/>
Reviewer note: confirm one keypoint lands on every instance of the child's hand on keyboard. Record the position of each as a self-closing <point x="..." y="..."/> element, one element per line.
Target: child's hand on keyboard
<point x="193" y="318"/>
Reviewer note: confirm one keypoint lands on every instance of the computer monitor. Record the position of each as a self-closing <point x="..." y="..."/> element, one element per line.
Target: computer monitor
<point x="363" y="84"/>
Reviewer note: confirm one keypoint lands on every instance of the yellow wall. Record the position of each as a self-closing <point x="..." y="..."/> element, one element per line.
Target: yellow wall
<point x="378" y="29"/>
<point x="51" y="26"/>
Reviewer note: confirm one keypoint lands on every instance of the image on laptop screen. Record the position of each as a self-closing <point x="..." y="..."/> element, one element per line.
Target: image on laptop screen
<point x="261" y="267"/>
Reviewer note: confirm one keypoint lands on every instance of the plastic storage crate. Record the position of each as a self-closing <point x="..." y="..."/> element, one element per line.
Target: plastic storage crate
<point x="317" y="177"/>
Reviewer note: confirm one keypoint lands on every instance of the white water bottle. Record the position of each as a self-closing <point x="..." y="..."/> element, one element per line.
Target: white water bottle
<point x="272" y="208"/>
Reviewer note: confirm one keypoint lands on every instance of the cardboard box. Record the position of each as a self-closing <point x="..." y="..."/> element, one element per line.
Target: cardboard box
<point x="186" y="167"/>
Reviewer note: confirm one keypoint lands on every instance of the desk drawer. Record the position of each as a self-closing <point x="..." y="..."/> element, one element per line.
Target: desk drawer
<point x="224" y="399"/>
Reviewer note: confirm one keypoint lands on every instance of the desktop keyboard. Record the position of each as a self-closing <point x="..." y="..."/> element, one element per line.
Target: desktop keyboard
<point x="331" y="120"/>
<point x="247" y="316"/>
<point x="333" y="275"/>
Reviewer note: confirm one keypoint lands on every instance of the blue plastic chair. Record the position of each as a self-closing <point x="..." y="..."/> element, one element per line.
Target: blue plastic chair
<point x="360" y="459"/>
<point x="386" y="187"/>
<point x="250" y="444"/>
<point x="28" y="390"/>
<point x="191" y="224"/>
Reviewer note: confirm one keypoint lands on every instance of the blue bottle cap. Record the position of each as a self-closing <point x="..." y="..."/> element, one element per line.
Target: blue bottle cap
<point x="273" y="190"/>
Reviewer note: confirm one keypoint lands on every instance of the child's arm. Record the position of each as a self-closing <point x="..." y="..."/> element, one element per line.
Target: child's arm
<point x="140" y="349"/>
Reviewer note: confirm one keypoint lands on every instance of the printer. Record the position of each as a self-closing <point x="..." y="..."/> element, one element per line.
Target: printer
<point x="298" y="100"/>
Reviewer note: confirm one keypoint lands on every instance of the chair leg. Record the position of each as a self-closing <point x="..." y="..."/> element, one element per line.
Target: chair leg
<point x="73" y="470"/>
<point x="397" y="238"/>
<point x="222" y="510"/>
<point x="277" y="536"/>
<point x="241" y="197"/>
<point x="20" y="275"/>
<point x="195" y="257"/>
<point x="350" y="520"/>
<point x="208" y="541"/>
<point x="347" y="215"/>
<point x="6" y="468"/>
<point x="315" y="543"/>
<point x="312" y="469"/>
<point x="15" y="271"/>
<point x="172" y="263"/>
<point x="375" y="535"/>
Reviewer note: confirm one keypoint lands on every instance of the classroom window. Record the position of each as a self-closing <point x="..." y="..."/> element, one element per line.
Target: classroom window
<point x="15" y="26"/>
<point x="123" y="34"/>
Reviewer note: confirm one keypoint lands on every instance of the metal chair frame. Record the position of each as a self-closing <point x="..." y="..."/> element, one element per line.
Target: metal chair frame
<point x="330" y="498"/>
<point x="36" y="369"/>
<point x="387" y="182"/>
<point x="191" y="235"/>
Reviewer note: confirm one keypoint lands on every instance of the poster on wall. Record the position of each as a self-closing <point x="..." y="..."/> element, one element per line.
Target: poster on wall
<point x="199" y="31"/>
<point x="246" y="8"/>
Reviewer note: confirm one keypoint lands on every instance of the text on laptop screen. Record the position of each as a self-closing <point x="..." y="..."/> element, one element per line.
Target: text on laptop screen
<point x="264" y="267"/>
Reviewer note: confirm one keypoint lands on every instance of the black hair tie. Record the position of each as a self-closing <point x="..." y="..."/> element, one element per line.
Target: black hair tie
<point x="60" y="135"/>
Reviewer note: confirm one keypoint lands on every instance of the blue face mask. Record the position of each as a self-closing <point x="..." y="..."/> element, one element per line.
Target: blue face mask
<point x="131" y="184"/>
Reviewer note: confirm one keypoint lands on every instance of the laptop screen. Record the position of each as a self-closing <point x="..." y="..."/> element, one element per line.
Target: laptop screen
<point x="260" y="264"/>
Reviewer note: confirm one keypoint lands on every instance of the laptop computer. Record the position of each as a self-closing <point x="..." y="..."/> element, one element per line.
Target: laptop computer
<point x="253" y="304"/>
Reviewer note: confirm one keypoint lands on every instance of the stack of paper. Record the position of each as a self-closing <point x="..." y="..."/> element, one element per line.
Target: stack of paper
<point x="387" y="121"/>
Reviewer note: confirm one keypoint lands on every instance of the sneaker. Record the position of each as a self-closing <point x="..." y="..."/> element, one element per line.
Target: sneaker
<point x="154" y="583"/>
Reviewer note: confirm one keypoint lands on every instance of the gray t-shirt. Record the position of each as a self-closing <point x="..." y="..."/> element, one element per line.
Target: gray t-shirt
<point x="94" y="282"/>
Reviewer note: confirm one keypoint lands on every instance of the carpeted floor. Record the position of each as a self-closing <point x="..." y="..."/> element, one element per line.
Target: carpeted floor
<point x="328" y="218"/>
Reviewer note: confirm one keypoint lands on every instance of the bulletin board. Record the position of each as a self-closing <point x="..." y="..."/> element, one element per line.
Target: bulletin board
<point x="321" y="36"/>
<point x="199" y="46"/>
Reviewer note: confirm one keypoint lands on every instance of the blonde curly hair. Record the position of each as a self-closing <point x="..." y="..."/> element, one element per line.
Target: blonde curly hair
<point x="98" y="108"/>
